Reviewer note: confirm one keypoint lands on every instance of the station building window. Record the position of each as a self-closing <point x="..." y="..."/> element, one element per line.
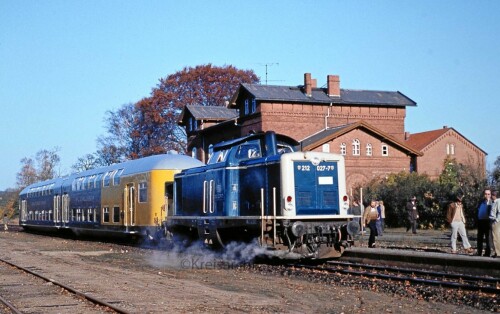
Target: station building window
<point x="343" y="149"/>
<point x="325" y="148"/>
<point x="385" y="150"/>
<point x="369" y="149"/>
<point x="356" y="147"/>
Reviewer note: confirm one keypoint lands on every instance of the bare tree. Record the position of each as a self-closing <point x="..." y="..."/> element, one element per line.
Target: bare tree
<point x="38" y="169"/>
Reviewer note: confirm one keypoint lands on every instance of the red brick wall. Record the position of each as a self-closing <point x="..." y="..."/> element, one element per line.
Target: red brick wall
<point x="431" y="162"/>
<point x="302" y="120"/>
<point x="362" y="168"/>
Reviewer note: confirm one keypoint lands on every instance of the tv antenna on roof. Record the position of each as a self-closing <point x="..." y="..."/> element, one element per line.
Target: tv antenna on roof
<point x="268" y="65"/>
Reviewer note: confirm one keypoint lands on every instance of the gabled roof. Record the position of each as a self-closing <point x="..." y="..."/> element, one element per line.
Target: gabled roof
<point x="329" y="134"/>
<point x="319" y="95"/>
<point x="214" y="113"/>
<point x="423" y="139"/>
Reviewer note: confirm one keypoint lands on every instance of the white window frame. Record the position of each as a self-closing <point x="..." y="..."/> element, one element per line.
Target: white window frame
<point x="356" y="147"/>
<point x="385" y="150"/>
<point x="369" y="149"/>
<point x="343" y="149"/>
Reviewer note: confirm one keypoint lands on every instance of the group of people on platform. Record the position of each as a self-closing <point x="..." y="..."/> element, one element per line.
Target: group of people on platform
<point x="488" y="215"/>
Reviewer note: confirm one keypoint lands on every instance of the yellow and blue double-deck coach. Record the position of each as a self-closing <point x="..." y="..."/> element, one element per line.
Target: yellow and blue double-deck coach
<point x="129" y="198"/>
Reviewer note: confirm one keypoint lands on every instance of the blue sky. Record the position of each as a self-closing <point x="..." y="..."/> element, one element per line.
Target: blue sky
<point x="63" y="64"/>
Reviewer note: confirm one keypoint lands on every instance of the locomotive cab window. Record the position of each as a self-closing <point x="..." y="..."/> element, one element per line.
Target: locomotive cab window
<point x="283" y="149"/>
<point x="248" y="151"/>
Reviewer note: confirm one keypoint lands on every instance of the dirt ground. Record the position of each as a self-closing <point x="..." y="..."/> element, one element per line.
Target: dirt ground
<point x="143" y="280"/>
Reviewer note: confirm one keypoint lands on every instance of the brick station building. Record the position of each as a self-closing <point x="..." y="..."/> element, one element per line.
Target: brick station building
<point x="367" y="127"/>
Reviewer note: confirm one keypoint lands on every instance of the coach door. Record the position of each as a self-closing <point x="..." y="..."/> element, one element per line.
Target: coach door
<point x="129" y="205"/>
<point x="65" y="209"/>
<point x="57" y="210"/>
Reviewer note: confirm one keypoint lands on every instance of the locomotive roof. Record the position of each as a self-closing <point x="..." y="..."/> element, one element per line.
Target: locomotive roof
<point x="156" y="162"/>
<point x="233" y="142"/>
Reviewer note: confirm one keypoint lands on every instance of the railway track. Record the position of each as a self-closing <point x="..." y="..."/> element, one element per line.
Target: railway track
<point x="410" y="276"/>
<point x="30" y="291"/>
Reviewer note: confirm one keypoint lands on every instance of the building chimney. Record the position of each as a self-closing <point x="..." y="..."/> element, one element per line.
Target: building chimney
<point x="445" y="126"/>
<point x="333" y="84"/>
<point x="307" y="84"/>
<point x="314" y="83"/>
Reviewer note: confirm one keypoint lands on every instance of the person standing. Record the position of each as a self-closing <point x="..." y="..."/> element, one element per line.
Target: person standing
<point x="5" y="222"/>
<point x="495" y="219"/>
<point x="456" y="219"/>
<point x="411" y="208"/>
<point x="483" y="224"/>
<point x="370" y="217"/>
<point x="380" y="231"/>
<point x="382" y="214"/>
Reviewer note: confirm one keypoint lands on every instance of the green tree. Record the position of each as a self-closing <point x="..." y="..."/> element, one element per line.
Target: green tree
<point x="495" y="175"/>
<point x="397" y="189"/>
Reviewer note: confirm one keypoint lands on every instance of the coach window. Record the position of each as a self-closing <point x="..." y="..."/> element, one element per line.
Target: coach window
<point x="97" y="215"/>
<point x="194" y="152"/>
<point x="143" y="192"/>
<point x="106" y="179"/>
<point x="97" y="182"/>
<point x="90" y="182"/>
<point x="105" y="214"/>
<point x="116" y="213"/>
<point x="112" y="177"/>
<point x="116" y="178"/>
<point x="385" y="150"/>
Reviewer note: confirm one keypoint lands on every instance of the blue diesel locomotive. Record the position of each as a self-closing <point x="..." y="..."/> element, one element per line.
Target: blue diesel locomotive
<point x="260" y="187"/>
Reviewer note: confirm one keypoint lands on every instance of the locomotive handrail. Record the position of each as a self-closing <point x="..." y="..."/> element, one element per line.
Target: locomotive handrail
<point x="262" y="216"/>
<point x="204" y="197"/>
<point x="274" y="216"/>
<point x="125" y="196"/>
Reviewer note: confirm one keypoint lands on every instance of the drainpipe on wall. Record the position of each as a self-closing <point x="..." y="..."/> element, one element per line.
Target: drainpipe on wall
<point x="327" y="116"/>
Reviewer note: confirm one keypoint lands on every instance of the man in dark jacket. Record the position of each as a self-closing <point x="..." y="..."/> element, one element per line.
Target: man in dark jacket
<point x="411" y="208"/>
<point x="484" y="225"/>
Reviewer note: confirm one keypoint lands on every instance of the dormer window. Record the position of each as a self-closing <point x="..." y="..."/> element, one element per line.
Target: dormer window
<point x="247" y="110"/>
<point x="250" y="106"/>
